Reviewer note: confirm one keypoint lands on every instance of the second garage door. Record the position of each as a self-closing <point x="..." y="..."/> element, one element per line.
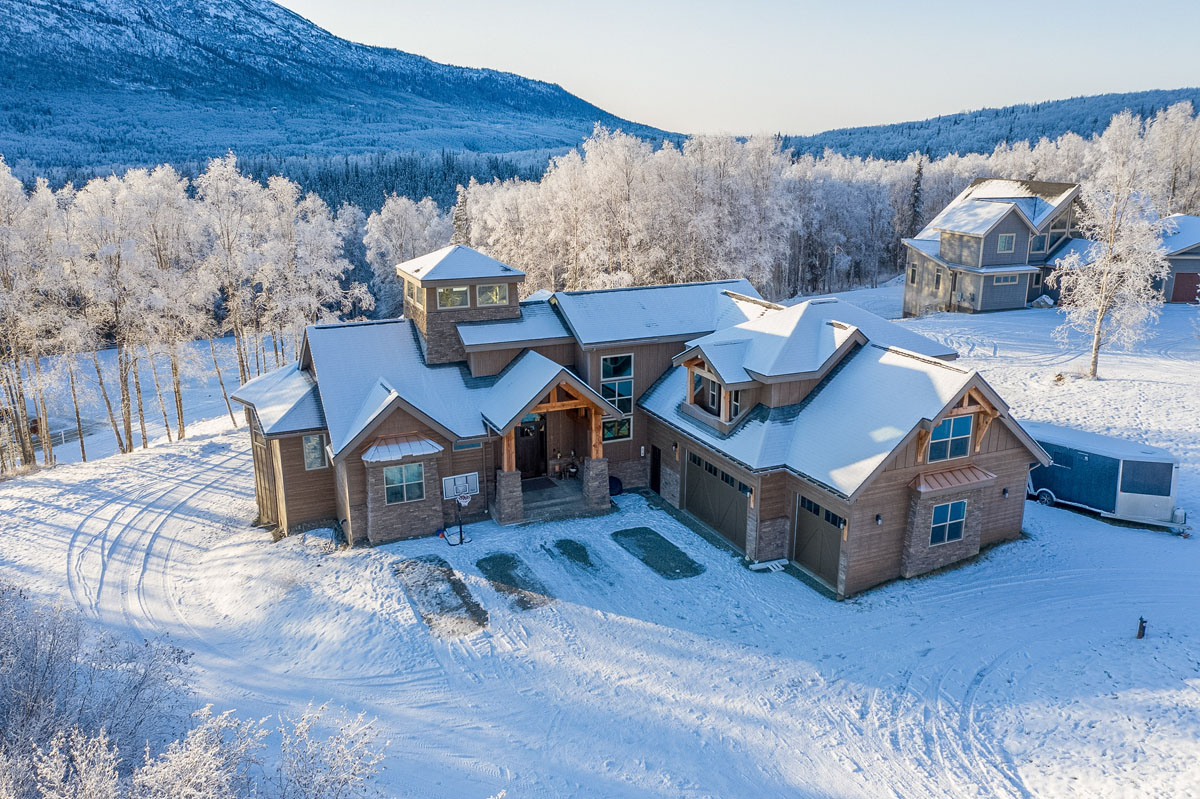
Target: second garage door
<point x="717" y="498"/>
<point x="817" y="545"/>
<point x="1186" y="285"/>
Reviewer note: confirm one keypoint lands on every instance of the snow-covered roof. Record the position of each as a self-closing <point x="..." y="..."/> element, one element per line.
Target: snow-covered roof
<point x="1081" y="246"/>
<point x="676" y="311"/>
<point x="843" y="431"/>
<point x="457" y="262"/>
<point x="1074" y="438"/>
<point x="538" y="322"/>
<point x="285" y="399"/>
<point x="526" y="380"/>
<point x="980" y="206"/>
<point x="393" y="448"/>
<point x="1184" y="233"/>
<point x="972" y="217"/>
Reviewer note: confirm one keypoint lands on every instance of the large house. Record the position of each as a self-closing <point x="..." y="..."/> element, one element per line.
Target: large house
<point x="994" y="246"/>
<point x="818" y="433"/>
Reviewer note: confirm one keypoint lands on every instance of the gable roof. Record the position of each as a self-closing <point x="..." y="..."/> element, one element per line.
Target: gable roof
<point x="457" y="263"/>
<point x="986" y="201"/>
<point x="1184" y="235"/>
<point x="538" y="322"/>
<point x="285" y="400"/>
<point x="675" y="311"/>
<point x="524" y="382"/>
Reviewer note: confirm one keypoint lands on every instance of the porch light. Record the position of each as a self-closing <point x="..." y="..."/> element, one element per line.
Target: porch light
<point x="878" y="519"/>
<point x="1004" y="493"/>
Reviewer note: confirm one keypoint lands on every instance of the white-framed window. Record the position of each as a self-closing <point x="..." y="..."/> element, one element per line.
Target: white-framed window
<point x="1037" y="243"/>
<point x="491" y="294"/>
<point x="951" y="438"/>
<point x="617" y="429"/>
<point x="735" y="403"/>
<point x="1005" y="280"/>
<point x="314" y="452"/>
<point x="948" y="521"/>
<point x="714" y="396"/>
<point x="454" y="297"/>
<point x="616" y="381"/>
<point x="404" y="483"/>
<point x="1006" y="242"/>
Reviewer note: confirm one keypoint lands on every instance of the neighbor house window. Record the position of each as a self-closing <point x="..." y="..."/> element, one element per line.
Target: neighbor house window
<point x="937" y="280"/>
<point x="1006" y="242"/>
<point x="735" y="403"/>
<point x="617" y="429"/>
<point x="1005" y="280"/>
<point x="492" y="294"/>
<point x="404" y="483"/>
<point x="951" y="438"/>
<point x="1038" y="243"/>
<point x="616" y="381"/>
<point x="314" y="452"/>
<point x="454" y="297"/>
<point x="912" y="275"/>
<point x="1036" y="279"/>
<point x="948" y="521"/>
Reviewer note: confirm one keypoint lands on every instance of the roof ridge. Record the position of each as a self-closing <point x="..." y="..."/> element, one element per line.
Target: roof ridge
<point x="919" y="357"/>
<point x="577" y="292"/>
<point x="358" y="323"/>
<point x="734" y="295"/>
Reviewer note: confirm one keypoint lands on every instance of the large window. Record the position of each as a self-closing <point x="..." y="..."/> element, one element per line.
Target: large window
<point x="404" y="483"/>
<point x="1006" y="242"/>
<point x="617" y="429"/>
<point x="492" y="294"/>
<point x="454" y="297"/>
<point x="1037" y="243"/>
<point x="314" y="452"/>
<point x="616" y="381"/>
<point x="1005" y="280"/>
<point x="951" y="438"/>
<point x="948" y="521"/>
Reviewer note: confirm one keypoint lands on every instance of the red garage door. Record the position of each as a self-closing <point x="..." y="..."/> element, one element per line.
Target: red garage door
<point x="1186" y="286"/>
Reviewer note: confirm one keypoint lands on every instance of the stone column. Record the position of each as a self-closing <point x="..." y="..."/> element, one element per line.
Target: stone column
<point x="510" y="504"/>
<point x="595" y="483"/>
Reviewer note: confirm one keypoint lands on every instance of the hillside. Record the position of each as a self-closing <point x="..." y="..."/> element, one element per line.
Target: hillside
<point x="980" y="131"/>
<point x="101" y="83"/>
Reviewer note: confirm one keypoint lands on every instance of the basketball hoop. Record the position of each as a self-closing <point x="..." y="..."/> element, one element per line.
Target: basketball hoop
<point x="463" y="500"/>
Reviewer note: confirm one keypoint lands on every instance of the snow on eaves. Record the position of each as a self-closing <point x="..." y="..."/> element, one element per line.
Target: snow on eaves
<point x="286" y="400"/>
<point x="527" y="379"/>
<point x="970" y="217"/>
<point x="1183" y="233"/>
<point x="456" y="262"/>
<point x="672" y="311"/>
<point x="1120" y="448"/>
<point x="843" y="431"/>
<point x="538" y="322"/>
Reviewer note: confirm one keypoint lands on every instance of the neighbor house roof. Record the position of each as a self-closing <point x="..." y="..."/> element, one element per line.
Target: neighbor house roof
<point x="286" y="400"/>
<point x="538" y="322"/>
<point x="842" y="432"/>
<point x="668" y="312"/>
<point x="457" y="262"/>
<point x="1185" y="233"/>
<point x="980" y="207"/>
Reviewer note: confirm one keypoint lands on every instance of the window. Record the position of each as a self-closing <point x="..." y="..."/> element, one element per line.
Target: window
<point x="835" y="520"/>
<point x="1152" y="478"/>
<point x="745" y="489"/>
<point x="454" y="297"/>
<point x="404" y="483"/>
<point x="492" y="294"/>
<point x="1005" y="280"/>
<point x="416" y="293"/>
<point x="1036" y="279"/>
<point x="937" y="280"/>
<point x="617" y="430"/>
<point x="810" y="506"/>
<point x="735" y="403"/>
<point x="951" y="438"/>
<point x="713" y="470"/>
<point x="694" y="459"/>
<point x="314" y="452"/>
<point x="714" y="396"/>
<point x="464" y="445"/>
<point x="616" y="381"/>
<point x="1006" y="242"/>
<point x="728" y="479"/>
<point x="409" y="292"/>
<point x="912" y="275"/>
<point x="1038" y="243"/>
<point x="948" y="520"/>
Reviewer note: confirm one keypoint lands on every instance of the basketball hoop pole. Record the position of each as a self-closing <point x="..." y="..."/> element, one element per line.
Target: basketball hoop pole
<point x="461" y="501"/>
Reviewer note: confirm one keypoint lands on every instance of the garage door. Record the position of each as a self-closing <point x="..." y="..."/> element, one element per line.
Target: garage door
<point x="717" y="498"/>
<point x="817" y="544"/>
<point x="1186" y="285"/>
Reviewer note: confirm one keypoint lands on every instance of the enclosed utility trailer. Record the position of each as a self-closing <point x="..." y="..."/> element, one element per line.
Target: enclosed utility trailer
<point x="1115" y="477"/>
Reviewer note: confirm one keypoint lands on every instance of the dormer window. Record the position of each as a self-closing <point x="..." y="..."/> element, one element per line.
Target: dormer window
<point x="491" y="294"/>
<point x="951" y="438"/>
<point x="1006" y="242"/>
<point x="714" y="396"/>
<point x="454" y="297"/>
<point x="735" y="403"/>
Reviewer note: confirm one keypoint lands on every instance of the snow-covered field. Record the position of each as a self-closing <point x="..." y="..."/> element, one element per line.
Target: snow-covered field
<point x="1015" y="675"/>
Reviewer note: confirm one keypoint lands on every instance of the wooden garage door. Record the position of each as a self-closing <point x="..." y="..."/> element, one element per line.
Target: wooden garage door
<point x="1186" y="285"/>
<point x="817" y="544"/>
<point x="717" y="499"/>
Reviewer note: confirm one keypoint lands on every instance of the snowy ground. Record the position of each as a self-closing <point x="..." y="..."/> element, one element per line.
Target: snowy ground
<point x="1015" y="675"/>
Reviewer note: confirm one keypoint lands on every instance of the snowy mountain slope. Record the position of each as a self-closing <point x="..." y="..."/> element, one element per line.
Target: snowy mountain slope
<point x="86" y="82"/>
<point x="980" y="131"/>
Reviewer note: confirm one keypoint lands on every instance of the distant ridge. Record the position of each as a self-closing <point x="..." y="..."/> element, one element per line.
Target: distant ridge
<point x="980" y="131"/>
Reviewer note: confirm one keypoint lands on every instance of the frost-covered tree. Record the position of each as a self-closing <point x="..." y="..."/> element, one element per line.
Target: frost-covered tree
<point x="1113" y="289"/>
<point x="401" y="230"/>
<point x="340" y="766"/>
<point x="78" y="766"/>
<point x="220" y="757"/>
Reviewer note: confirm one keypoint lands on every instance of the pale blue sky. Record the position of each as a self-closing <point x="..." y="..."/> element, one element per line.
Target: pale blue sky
<point x="799" y="67"/>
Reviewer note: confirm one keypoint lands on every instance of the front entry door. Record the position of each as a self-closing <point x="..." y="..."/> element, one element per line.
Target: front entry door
<point x="531" y="446"/>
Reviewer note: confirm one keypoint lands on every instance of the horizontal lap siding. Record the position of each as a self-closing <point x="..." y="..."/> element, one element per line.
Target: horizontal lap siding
<point x="957" y="248"/>
<point x="1020" y="231"/>
<point x="873" y="551"/>
<point x="921" y="296"/>
<point x="1005" y="296"/>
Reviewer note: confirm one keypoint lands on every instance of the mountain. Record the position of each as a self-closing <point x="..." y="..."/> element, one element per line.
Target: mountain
<point x="106" y="83"/>
<point x="980" y="131"/>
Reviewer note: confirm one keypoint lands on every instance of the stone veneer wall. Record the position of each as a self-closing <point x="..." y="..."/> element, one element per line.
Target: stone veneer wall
<point x="595" y="483"/>
<point x="668" y="483"/>
<point x="404" y="519"/>
<point x="633" y="473"/>
<point x="440" y="329"/>
<point x="918" y="556"/>
<point x="509" y="504"/>
<point x="768" y="539"/>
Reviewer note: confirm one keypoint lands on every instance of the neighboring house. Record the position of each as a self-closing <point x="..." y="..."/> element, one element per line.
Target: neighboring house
<point x="995" y="245"/>
<point x="818" y="433"/>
